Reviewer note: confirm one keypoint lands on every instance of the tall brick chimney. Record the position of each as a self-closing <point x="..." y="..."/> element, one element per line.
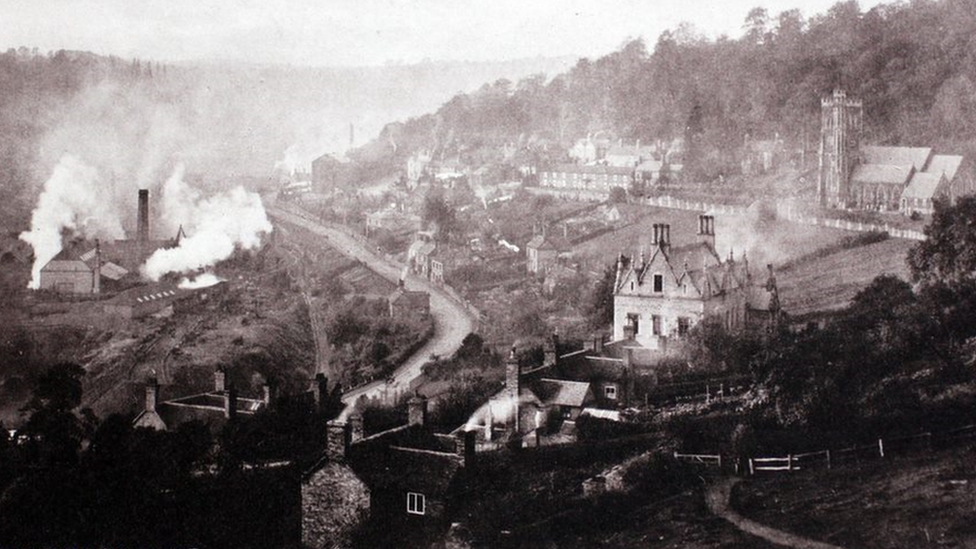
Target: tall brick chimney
<point x="142" y="225"/>
<point x="320" y="391"/>
<point x="465" y="446"/>
<point x="230" y="403"/>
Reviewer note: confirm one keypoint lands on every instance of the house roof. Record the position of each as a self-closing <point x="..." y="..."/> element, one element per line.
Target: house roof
<point x="600" y="169"/>
<point x="66" y="266"/>
<point x="897" y="156"/>
<point x="923" y="186"/>
<point x="410" y="298"/>
<point x="564" y="393"/>
<point x="944" y="163"/>
<point x="891" y="174"/>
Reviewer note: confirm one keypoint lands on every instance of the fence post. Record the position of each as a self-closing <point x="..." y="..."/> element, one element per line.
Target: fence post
<point x="752" y="468"/>
<point x="881" y="447"/>
<point x="720" y="462"/>
<point x="828" y="459"/>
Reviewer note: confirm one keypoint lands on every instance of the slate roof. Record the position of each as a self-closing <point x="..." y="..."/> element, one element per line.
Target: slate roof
<point x="897" y="156"/>
<point x="923" y="186"/>
<point x="882" y="173"/>
<point x="564" y="393"/>
<point x="66" y="266"/>
<point x="573" y="168"/>
<point x="944" y="163"/>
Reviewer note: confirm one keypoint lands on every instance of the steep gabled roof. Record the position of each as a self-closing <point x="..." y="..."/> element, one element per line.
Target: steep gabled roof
<point x="923" y="186"/>
<point x="944" y="163"/>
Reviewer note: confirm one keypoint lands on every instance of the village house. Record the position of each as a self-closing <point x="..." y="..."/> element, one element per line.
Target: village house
<point x="398" y="481"/>
<point x="406" y="303"/>
<point x="589" y="149"/>
<point x="762" y="156"/>
<point x="909" y="179"/>
<point x="540" y="403"/>
<point x="663" y="297"/>
<point x="542" y="252"/>
<point x="628" y="156"/>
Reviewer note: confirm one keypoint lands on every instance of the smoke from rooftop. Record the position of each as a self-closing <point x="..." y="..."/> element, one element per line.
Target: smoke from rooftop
<point x="74" y="202"/>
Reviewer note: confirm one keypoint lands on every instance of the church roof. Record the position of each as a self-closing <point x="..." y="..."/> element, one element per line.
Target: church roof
<point x="944" y="163"/>
<point x="891" y="174"/>
<point x="923" y="186"/>
<point x="897" y="156"/>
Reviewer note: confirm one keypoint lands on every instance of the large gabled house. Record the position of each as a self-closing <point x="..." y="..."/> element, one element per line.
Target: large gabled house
<point x="661" y="297"/>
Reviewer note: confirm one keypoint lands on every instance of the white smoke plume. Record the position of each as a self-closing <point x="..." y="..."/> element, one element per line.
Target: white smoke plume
<point x="204" y="280"/>
<point x="215" y="225"/>
<point x="75" y="202"/>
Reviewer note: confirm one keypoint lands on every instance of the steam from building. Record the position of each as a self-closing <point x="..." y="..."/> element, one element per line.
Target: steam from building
<point x="72" y="203"/>
<point x="204" y="280"/>
<point x="216" y="225"/>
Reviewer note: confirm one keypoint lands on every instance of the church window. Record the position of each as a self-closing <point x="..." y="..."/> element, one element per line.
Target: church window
<point x="658" y="283"/>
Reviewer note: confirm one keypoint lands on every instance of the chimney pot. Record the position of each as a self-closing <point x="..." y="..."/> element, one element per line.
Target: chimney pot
<point x="417" y="411"/>
<point x="230" y="403"/>
<point x="338" y="435"/>
<point x="220" y="380"/>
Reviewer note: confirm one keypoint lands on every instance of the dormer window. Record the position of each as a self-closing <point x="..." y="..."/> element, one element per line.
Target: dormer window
<point x="658" y="283"/>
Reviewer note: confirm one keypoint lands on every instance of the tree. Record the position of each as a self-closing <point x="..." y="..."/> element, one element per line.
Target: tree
<point x="618" y="195"/>
<point x="600" y="310"/>
<point x="949" y="252"/>
<point x="439" y="214"/>
<point x="55" y="431"/>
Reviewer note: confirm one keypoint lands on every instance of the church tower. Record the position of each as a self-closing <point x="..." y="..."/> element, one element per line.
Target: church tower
<point x="840" y="141"/>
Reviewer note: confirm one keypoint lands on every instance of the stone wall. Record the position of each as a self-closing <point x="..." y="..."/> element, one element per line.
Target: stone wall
<point x="335" y="502"/>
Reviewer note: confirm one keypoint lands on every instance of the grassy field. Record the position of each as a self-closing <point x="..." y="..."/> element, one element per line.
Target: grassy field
<point x="764" y="241"/>
<point x="829" y="283"/>
<point x="893" y="504"/>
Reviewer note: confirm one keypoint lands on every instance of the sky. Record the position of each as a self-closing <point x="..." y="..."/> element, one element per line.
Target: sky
<point x="365" y="32"/>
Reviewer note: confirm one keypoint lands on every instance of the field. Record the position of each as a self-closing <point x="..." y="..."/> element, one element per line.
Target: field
<point x="829" y="283"/>
<point x="919" y="502"/>
<point x="764" y="240"/>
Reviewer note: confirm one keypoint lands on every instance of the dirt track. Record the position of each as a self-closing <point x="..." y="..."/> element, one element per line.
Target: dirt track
<point x="717" y="496"/>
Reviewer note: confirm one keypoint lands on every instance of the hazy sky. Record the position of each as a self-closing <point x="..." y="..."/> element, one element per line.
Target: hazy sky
<point x="364" y="32"/>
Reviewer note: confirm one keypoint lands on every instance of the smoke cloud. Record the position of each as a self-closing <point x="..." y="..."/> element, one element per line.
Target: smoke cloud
<point x="215" y="225"/>
<point x="74" y="202"/>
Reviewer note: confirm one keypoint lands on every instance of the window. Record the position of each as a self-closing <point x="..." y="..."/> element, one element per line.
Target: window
<point x="416" y="503"/>
<point x="610" y="391"/>
<point x="656" y="324"/>
<point x="683" y="325"/>
<point x="633" y="319"/>
<point x="658" y="283"/>
<point x="631" y="286"/>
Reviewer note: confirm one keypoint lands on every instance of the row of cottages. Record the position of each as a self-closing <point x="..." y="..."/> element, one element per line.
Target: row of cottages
<point x="215" y="408"/>
<point x="663" y="297"/>
<point x="909" y="179"/>
<point x="590" y="149"/>
<point x="589" y="178"/>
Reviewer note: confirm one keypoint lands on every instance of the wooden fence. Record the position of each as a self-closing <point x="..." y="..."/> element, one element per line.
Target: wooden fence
<point x="826" y="459"/>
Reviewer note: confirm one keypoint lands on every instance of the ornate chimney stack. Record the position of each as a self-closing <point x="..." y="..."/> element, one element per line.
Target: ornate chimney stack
<point x="706" y="229"/>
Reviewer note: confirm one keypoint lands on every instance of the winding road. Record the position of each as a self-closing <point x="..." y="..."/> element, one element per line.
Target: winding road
<point x="452" y="322"/>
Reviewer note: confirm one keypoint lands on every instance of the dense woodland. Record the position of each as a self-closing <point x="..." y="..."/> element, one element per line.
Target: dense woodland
<point x="912" y="63"/>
